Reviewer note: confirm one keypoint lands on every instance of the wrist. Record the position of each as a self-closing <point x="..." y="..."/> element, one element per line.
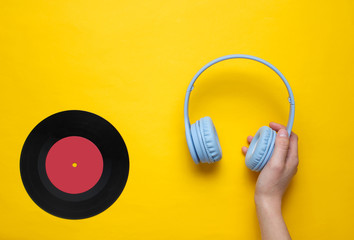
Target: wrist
<point x="271" y="204"/>
<point x="270" y="218"/>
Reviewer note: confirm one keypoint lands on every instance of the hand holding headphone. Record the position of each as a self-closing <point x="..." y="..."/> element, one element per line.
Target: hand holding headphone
<point x="203" y="141"/>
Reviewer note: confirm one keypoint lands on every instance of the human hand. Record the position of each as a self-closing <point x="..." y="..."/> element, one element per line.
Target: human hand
<point x="278" y="172"/>
<point x="272" y="183"/>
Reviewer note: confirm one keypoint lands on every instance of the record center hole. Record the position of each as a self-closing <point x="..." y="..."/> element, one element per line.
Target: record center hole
<point x="74" y="164"/>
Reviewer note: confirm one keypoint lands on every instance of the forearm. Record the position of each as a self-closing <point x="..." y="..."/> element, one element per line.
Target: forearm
<point x="271" y="221"/>
<point x="272" y="183"/>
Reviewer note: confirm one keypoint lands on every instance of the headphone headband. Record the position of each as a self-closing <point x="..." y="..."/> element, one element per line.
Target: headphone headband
<point x="232" y="56"/>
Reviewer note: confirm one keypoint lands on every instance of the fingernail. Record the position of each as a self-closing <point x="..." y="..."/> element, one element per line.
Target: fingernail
<point x="282" y="133"/>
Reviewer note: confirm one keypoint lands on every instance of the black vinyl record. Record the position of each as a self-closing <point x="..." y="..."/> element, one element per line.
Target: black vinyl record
<point x="68" y="188"/>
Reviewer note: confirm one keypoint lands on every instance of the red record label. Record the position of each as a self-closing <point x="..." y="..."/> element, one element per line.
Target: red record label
<point x="74" y="164"/>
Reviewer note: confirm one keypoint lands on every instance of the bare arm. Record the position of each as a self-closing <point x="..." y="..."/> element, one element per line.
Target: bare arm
<point x="272" y="183"/>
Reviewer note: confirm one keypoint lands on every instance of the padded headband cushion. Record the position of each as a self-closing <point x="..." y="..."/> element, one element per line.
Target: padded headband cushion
<point x="210" y="139"/>
<point x="259" y="146"/>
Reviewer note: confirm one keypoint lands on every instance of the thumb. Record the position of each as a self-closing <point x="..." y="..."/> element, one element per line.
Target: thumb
<point x="280" y="149"/>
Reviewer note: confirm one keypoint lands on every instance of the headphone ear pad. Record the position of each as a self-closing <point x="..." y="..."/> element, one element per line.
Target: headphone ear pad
<point x="210" y="139"/>
<point x="198" y="143"/>
<point x="260" y="149"/>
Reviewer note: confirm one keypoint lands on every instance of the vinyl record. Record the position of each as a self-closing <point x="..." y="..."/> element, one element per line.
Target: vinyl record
<point x="74" y="164"/>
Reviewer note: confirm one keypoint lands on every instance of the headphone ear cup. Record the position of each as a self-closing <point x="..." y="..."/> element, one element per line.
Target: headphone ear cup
<point x="191" y="146"/>
<point x="198" y="144"/>
<point x="260" y="149"/>
<point x="210" y="139"/>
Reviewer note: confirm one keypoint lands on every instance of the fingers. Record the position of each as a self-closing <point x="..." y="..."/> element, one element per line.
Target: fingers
<point x="281" y="148"/>
<point x="276" y="126"/>
<point x="244" y="150"/>
<point x="292" y="158"/>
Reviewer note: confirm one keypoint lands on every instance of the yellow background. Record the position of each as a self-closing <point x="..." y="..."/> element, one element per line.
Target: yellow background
<point x="131" y="62"/>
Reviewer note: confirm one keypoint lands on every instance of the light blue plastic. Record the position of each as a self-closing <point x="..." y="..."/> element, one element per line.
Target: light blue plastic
<point x="259" y="147"/>
<point x="210" y="139"/>
<point x="269" y="153"/>
<point x="259" y="152"/>
<point x="198" y="144"/>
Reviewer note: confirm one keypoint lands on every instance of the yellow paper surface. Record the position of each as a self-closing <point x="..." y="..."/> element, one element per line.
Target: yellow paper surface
<point x="131" y="62"/>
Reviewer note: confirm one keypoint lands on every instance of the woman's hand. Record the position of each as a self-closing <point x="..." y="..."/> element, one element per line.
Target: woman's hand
<point x="273" y="181"/>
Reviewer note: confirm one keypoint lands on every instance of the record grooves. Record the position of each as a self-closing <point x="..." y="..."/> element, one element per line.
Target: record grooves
<point x="74" y="164"/>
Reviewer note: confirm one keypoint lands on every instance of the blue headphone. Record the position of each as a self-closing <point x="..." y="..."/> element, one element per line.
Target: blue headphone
<point x="203" y="141"/>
